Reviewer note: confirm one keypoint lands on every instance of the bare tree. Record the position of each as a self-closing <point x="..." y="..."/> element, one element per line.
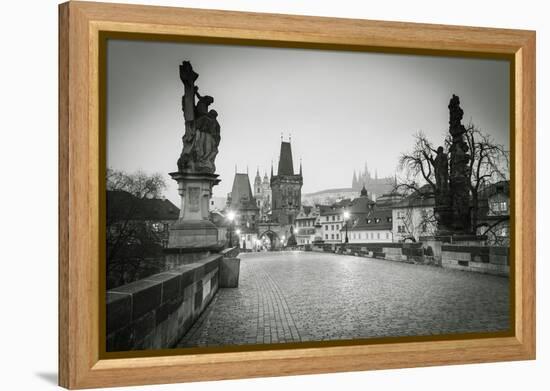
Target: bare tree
<point x="416" y="167"/>
<point x="139" y="184"/>
<point x="489" y="163"/>
<point x="131" y="246"/>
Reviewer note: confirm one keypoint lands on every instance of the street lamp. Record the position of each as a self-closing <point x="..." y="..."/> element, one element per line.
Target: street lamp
<point x="230" y="217"/>
<point x="346" y="218"/>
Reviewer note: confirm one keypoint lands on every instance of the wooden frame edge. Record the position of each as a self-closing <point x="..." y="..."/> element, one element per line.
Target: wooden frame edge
<point x="79" y="364"/>
<point x="63" y="219"/>
<point x="528" y="216"/>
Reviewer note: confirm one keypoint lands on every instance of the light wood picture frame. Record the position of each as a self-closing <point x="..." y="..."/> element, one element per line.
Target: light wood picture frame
<point x="82" y="26"/>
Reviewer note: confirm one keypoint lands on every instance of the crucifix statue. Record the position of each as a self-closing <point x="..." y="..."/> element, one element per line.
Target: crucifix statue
<point x="202" y="130"/>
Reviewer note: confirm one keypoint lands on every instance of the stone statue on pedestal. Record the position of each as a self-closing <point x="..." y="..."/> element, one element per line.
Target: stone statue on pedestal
<point x="459" y="182"/>
<point x="441" y="168"/>
<point x="202" y="130"/>
<point x="452" y="179"/>
<point x="442" y="196"/>
<point x="194" y="233"/>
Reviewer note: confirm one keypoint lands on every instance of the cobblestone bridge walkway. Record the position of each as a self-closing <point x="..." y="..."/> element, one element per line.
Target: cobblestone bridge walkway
<point x="306" y="296"/>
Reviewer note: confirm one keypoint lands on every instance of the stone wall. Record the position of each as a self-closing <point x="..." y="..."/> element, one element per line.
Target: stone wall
<point x="155" y="312"/>
<point x="481" y="259"/>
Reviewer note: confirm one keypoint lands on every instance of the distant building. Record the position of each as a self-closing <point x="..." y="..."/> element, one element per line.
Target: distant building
<point x="286" y="188"/>
<point x="328" y="196"/>
<point x="377" y="186"/>
<point x="413" y="216"/>
<point x="262" y="193"/>
<point x="374" y="227"/>
<point x="242" y="202"/>
<point x="368" y="221"/>
<point x="331" y="219"/>
<point x="308" y="228"/>
<point x="494" y="213"/>
<point x="221" y="223"/>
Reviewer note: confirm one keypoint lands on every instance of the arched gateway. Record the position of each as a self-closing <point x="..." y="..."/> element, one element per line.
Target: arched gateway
<point x="270" y="240"/>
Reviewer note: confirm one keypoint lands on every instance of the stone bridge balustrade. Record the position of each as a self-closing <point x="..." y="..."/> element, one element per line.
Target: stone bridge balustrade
<point x="474" y="258"/>
<point x="157" y="311"/>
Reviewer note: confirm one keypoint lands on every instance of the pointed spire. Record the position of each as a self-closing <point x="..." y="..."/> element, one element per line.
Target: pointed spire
<point x="300" y="166"/>
<point x="285" y="166"/>
<point x="271" y="168"/>
<point x="258" y="179"/>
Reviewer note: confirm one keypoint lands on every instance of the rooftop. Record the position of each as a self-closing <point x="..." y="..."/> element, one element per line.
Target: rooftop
<point x="376" y="219"/>
<point x="123" y="205"/>
<point x="286" y="166"/>
<point x="241" y="193"/>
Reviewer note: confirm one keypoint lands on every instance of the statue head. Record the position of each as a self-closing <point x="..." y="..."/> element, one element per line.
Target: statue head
<point x="213" y="114"/>
<point x="203" y="103"/>
<point x="440" y="150"/>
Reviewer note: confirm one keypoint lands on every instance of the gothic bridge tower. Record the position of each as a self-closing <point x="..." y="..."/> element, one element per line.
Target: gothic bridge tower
<point x="286" y="188"/>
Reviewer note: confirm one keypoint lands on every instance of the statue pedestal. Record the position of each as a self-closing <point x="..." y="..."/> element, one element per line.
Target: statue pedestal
<point x="194" y="231"/>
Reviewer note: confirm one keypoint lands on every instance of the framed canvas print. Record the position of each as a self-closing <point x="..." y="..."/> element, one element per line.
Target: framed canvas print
<point x="247" y="195"/>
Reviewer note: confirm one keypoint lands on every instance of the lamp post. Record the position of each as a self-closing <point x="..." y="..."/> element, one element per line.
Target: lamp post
<point x="346" y="217"/>
<point x="238" y="232"/>
<point x="231" y="217"/>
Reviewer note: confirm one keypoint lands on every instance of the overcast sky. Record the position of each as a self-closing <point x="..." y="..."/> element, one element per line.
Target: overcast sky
<point x="342" y="108"/>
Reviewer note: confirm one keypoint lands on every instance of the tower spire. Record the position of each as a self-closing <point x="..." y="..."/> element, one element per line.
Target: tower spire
<point x="300" y="166"/>
<point x="286" y="166"/>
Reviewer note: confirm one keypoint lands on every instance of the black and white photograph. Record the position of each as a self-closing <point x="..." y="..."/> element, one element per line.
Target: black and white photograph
<point x="267" y="196"/>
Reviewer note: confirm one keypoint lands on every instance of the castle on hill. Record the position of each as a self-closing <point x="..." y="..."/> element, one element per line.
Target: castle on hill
<point x="375" y="184"/>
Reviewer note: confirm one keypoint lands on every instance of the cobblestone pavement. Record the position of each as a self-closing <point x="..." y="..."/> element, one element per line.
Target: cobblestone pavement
<point x="307" y="296"/>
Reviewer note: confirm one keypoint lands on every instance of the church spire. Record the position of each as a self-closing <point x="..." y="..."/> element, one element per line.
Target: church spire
<point x="258" y="179"/>
<point x="300" y="166"/>
<point x="286" y="166"/>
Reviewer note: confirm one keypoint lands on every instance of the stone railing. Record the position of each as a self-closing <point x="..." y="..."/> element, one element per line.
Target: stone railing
<point x="157" y="311"/>
<point x="481" y="259"/>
